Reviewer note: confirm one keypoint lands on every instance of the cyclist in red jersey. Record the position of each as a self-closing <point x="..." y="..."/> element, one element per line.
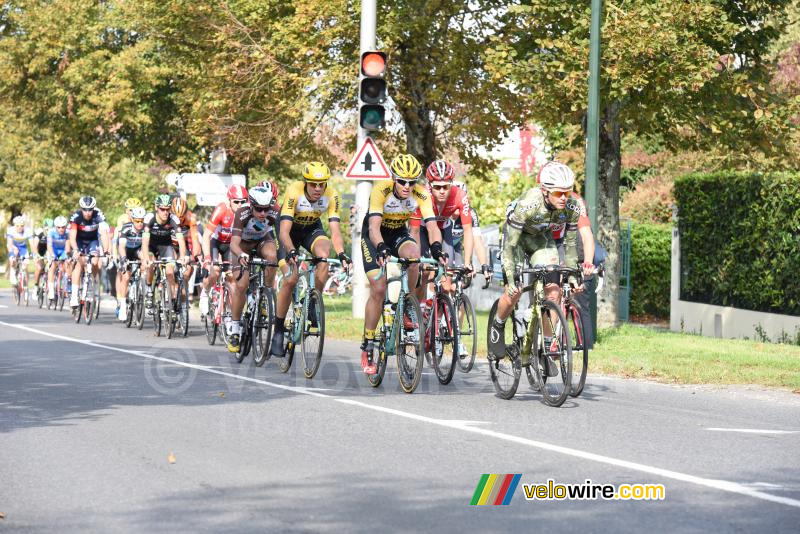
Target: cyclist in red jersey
<point x="448" y="201"/>
<point x="217" y="238"/>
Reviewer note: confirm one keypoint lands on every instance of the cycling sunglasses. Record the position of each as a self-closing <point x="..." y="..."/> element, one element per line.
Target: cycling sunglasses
<point x="260" y="209"/>
<point x="559" y="194"/>
<point x="404" y="183"/>
<point x="440" y="187"/>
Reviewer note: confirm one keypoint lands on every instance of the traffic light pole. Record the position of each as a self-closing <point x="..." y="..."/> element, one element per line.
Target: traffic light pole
<point x="369" y="10"/>
<point x="593" y="133"/>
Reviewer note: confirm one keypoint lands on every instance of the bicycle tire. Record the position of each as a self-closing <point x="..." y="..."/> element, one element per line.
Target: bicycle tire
<point x="467" y="332"/>
<point x="295" y="318"/>
<point x="409" y="364"/>
<point x="554" y="390"/>
<point x="312" y="352"/>
<point x="379" y="359"/>
<point x="209" y="319"/>
<point x="505" y="372"/>
<point x="578" y="330"/>
<point x="88" y="311"/>
<point x="167" y="306"/>
<point x="40" y="295"/>
<point x="183" y="309"/>
<point x="156" y="298"/>
<point x="442" y="334"/>
<point x="97" y="306"/>
<point x="17" y="292"/>
<point x="262" y="326"/>
<point x="140" y="307"/>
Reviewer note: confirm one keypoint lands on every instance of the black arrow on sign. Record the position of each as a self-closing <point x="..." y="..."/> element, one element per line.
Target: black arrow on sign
<point x="367" y="163"/>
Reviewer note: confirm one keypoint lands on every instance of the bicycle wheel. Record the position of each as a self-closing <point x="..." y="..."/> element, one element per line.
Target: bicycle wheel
<point x="157" y="310"/>
<point x="140" y="308"/>
<point x="580" y="348"/>
<point x="558" y="351"/>
<point x="409" y="351"/>
<point x="380" y="354"/>
<point x="209" y="322"/>
<point x="294" y="318"/>
<point x="244" y="338"/>
<point x="467" y="333"/>
<point x="62" y="293"/>
<point x="312" y="338"/>
<point x="167" y="309"/>
<point x="262" y="326"/>
<point x="505" y="371"/>
<point x="442" y="338"/>
<point x="17" y="293"/>
<point x="183" y="310"/>
<point x="88" y="310"/>
<point x="40" y="294"/>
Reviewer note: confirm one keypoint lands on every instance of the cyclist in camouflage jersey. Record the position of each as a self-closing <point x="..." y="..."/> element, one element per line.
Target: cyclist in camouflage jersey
<point x="528" y="234"/>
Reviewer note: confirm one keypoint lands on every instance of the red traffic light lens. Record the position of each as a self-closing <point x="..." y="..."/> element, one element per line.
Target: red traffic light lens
<point x="373" y="64"/>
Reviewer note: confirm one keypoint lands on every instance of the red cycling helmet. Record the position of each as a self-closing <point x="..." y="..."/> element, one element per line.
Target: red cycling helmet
<point x="440" y="171"/>
<point x="237" y="192"/>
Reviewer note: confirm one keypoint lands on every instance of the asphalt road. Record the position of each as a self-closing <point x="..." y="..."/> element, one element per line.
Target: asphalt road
<point x="108" y="429"/>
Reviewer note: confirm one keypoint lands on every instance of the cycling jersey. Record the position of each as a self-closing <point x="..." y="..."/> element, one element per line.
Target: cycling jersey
<point x="41" y="245"/>
<point x="58" y="242"/>
<point x="250" y="228"/>
<point x="395" y="211"/>
<point x="161" y="233"/>
<point x="20" y="240"/>
<point x="187" y="225"/>
<point x="132" y="236"/>
<point x="222" y="221"/>
<point x="458" y="229"/>
<point x="559" y="230"/>
<point x="88" y="229"/>
<point x="455" y="205"/>
<point x="529" y="227"/>
<point x="301" y="211"/>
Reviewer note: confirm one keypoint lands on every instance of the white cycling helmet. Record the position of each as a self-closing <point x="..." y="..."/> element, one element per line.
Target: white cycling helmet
<point x="18" y="220"/>
<point x="555" y="175"/>
<point x="60" y="221"/>
<point x="138" y="212"/>
<point x="87" y="203"/>
<point x="260" y="196"/>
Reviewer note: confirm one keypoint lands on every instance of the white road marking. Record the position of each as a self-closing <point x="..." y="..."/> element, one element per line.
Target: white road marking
<point x="754" y="431"/>
<point x="464" y="426"/>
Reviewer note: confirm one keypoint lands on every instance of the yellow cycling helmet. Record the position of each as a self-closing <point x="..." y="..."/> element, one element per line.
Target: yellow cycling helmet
<point x="316" y="171"/>
<point x="406" y="167"/>
<point x="132" y="203"/>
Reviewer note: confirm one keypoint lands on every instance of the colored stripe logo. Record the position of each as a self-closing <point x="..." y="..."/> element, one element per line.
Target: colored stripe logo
<point x="495" y="489"/>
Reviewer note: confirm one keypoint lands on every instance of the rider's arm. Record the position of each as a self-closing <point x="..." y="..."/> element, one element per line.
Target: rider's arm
<point x="210" y="228"/>
<point x="11" y="246"/>
<point x="375" y="229"/>
<point x="336" y="237"/>
<point x="73" y="236"/>
<point x="194" y="234"/>
<point x="181" y="245"/>
<point x="434" y="234"/>
<point x="50" y="251"/>
<point x="121" y="242"/>
<point x="236" y="234"/>
<point x="510" y="241"/>
<point x="284" y="234"/>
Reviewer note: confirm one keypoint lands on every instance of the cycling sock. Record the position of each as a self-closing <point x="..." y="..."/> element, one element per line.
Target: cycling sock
<point x="500" y="324"/>
<point x="279" y="323"/>
<point x="369" y="335"/>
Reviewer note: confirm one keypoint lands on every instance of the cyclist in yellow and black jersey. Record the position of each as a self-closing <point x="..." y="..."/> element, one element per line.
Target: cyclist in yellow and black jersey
<point x="300" y="226"/>
<point x="385" y="233"/>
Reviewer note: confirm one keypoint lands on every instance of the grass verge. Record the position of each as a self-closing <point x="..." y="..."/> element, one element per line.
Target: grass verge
<point x="638" y="352"/>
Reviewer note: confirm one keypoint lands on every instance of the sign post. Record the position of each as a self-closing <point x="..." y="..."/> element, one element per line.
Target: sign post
<point x="364" y="187"/>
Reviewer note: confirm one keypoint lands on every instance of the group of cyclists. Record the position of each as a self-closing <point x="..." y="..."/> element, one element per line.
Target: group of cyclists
<point x="419" y="212"/>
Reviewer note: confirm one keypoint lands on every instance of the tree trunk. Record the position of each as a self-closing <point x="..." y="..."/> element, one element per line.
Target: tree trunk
<point x="608" y="214"/>
<point x="420" y="135"/>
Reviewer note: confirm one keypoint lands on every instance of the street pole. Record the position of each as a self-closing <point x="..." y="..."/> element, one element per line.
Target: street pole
<point x="593" y="133"/>
<point x="369" y="10"/>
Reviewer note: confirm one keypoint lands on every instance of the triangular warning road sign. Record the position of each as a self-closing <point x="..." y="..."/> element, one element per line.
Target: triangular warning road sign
<point x="367" y="164"/>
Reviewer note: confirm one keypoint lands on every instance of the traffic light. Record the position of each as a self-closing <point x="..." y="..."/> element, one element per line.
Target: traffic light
<point x="372" y="91"/>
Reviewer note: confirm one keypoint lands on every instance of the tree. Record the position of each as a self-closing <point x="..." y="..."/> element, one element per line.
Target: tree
<point x="694" y="73"/>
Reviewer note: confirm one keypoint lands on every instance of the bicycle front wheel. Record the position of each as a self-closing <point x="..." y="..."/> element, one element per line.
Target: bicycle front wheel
<point x="580" y="348"/>
<point x="552" y="356"/>
<point x="467" y="333"/>
<point x="409" y="351"/>
<point x="379" y="355"/>
<point x="167" y="307"/>
<point x="313" y="336"/>
<point x="262" y="326"/>
<point x="442" y="338"/>
<point x="294" y="318"/>
<point x="182" y="301"/>
<point x="506" y="370"/>
<point x="88" y="309"/>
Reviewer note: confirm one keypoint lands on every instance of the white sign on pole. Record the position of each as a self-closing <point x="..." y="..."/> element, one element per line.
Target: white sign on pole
<point x="367" y="164"/>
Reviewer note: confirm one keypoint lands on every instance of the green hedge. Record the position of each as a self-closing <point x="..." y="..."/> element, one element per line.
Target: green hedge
<point x="651" y="246"/>
<point x="740" y="240"/>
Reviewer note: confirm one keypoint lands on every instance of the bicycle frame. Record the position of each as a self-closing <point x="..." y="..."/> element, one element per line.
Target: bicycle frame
<point x="301" y="293"/>
<point x="391" y="337"/>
